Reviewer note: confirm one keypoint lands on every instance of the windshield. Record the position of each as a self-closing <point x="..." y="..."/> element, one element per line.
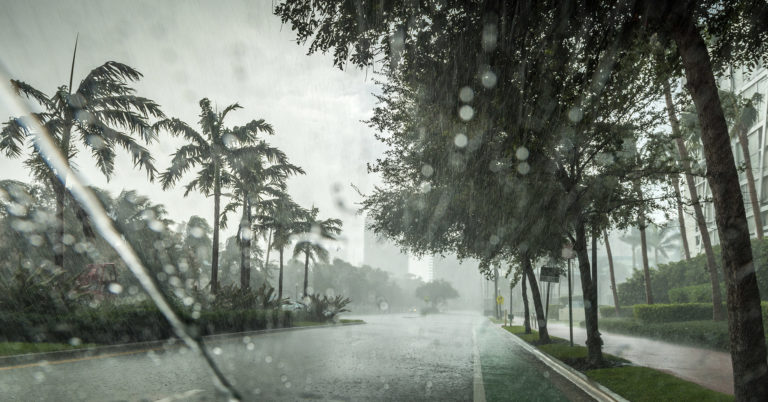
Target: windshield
<point x="383" y="200"/>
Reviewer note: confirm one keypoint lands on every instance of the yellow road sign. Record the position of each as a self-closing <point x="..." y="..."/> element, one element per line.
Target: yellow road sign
<point x="500" y="300"/>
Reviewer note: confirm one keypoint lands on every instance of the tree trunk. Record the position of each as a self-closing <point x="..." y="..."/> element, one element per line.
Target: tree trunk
<point x="280" y="277"/>
<point x="701" y="223"/>
<point x="216" y="212"/>
<point x="540" y="319"/>
<point x="526" y="309"/>
<point x="751" y="184"/>
<point x="594" y="342"/>
<point x="496" y="292"/>
<point x="745" y="323"/>
<point x="681" y="216"/>
<point x="306" y="272"/>
<point x="245" y="245"/>
<point x="610" y="270"/>
<point x="641" y="224"/>
<point x="595" y="234"/>
<point x="265" y="266"/>
<point x="58" y="248"/>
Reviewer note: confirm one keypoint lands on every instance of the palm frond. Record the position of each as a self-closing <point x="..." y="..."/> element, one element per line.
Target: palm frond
<point x="110" y="72"/>
<point x="249" y="132"/>
<point x="141" y="105"/>
<point x="177" y="127"/>
<point x="12" y="137"/>
<point x="22" y="88"/>
<point x="184" y="158"/>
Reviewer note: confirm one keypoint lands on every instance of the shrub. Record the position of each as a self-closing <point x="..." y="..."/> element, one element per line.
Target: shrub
<point x="711" y="334"/>
<point x="326" y="308"/>
<point x="651" y="313"/>
<point x="694" y="294"/>
<point x="610" y="311"/>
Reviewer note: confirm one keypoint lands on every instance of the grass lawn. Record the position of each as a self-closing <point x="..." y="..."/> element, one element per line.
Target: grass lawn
<point x="308" y="323"/>
<point x="632" y="382"/>
<point x="496" y="320"/>
<point x="20" y="348"/>
<point x="350" y="321"/>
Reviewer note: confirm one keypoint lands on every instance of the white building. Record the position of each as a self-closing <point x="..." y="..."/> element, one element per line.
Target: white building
<point x="744" y="84"/>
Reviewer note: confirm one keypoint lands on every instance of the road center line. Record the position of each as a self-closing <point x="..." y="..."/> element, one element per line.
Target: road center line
<point x="478" y="388"/>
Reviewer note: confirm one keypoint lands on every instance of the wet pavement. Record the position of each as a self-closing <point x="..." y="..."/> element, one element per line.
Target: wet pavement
<point x="392" y="357"/>
<point x="708" y="368"/>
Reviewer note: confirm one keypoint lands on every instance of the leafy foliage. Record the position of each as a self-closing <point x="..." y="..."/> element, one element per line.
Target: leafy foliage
<point x="323" y="308"/>
<point x="436" y="292"/>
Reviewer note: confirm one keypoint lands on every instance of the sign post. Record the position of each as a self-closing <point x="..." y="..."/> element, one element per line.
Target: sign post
<point x="549" y="275"/>
<point x="568" y="255"/>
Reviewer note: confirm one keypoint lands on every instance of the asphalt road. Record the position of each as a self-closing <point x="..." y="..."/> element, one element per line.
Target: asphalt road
<point x="392" y="357"/>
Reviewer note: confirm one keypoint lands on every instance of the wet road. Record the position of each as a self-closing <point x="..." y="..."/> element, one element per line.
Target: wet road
<point x="392" y="357"/>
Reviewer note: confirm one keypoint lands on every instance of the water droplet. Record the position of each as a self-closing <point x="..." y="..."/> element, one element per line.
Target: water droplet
<point x="460" y="140"/>
<point x="427" y="170"/>
<point x="494" y="240"/>
<point x="39" y="376"/>
<point x="466" y="94"/>
<point x="575" y="114"/>
<point x="488" y="79"/>
<point x="466" y="112"/>
<point x="268" y="359"/>
<point x="523" y="168"/>
<point x="217" y="350"/>
<point x="196" y="231"/>
<point x="115" y="288"/>
<point x="522" y="153"/>
<point x="257" y="391"/>
<point x="383" y="305"/>
<point x="426" y="187"/>
<point x="250" y="346"/>
<point x="68" y="239"/>
<point x="283" y="378"/>
<point x="75" y="341"/>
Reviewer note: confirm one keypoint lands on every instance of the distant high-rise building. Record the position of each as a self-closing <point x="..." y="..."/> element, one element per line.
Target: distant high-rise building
<point x="379" y="252"/>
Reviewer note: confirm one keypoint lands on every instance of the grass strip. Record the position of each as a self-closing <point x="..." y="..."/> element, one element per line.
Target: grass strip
<point x="20" y="348"/>
<point x="632" y="382"/>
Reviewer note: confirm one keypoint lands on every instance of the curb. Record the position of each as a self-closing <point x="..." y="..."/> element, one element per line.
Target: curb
<point x="592" y="388"/>
<point x="138" y="347"/>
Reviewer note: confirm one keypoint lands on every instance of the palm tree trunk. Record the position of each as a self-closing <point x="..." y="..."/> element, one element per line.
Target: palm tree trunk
<point x="747" y="339"/>
<point x="526" y="308"/>
<point x="280" y="277"/>
<point x="265" y="266"/>
<point x="306" y="272"/>
<point x="245" y="246"/>
<point x="641" y="224"/>
<point x="681" y="216"/>
<point x="537" y="305"/>
<point x="751" y="184"/>
<point x="216" y="212"/>
<point x="701" y="223"/>
<point x="594" y="342"/>
<point x="610" y="270"/>
<point x="595" y="234"/>
<point x="58" y="248"/>
<point x="496" y="292"/>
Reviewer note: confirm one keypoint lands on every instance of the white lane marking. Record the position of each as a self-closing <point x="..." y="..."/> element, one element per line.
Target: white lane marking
<point x="478" y="388"/>
<point x="181" y="396"/>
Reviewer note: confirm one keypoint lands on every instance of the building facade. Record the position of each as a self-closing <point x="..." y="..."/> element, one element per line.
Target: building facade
<point x="745" y="84"/>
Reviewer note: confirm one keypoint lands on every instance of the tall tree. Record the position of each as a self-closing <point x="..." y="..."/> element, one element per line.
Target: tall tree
<point x="258" y="171"/>
<point x="717" y="311"/>
<point x="209" y="150"/>
<point x="282" y="219"/>
<point x="312" y="233"/>
<point x="100" y="115"/>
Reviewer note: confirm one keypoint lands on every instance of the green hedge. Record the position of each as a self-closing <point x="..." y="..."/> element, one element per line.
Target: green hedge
<point x="652" y="313"/>
<point x="610" y="311"/>
<point x="710" y="334"/>
<point x="130" y="324"/>
<point x="694" y="294"/>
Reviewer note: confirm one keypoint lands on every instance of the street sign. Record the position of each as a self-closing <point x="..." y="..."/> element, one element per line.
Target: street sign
<point x="500" y="300"/>
<point x="550" y="274"/>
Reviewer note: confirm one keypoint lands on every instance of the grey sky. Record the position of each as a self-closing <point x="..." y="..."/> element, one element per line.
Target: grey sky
<point x="228" y="51"/>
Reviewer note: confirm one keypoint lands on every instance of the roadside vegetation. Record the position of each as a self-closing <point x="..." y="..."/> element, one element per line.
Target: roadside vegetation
<point x="631" y="382"/>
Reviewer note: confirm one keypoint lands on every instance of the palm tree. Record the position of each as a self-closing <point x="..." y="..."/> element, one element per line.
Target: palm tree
<point x="101" y="114"/>
<point x="706" y="242"/>
<point x="743" y="114"/>
<point x="313" y="231"/>
<point x="281" y="217"/>
<point x="257" y="171"/>
<point x="210" y="150"/>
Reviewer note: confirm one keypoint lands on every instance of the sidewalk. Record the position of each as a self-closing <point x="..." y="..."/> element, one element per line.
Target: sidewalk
<point x="708" y="368"/>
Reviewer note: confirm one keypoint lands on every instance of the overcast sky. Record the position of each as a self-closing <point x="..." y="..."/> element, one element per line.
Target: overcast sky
<point x="227" y="51"/>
